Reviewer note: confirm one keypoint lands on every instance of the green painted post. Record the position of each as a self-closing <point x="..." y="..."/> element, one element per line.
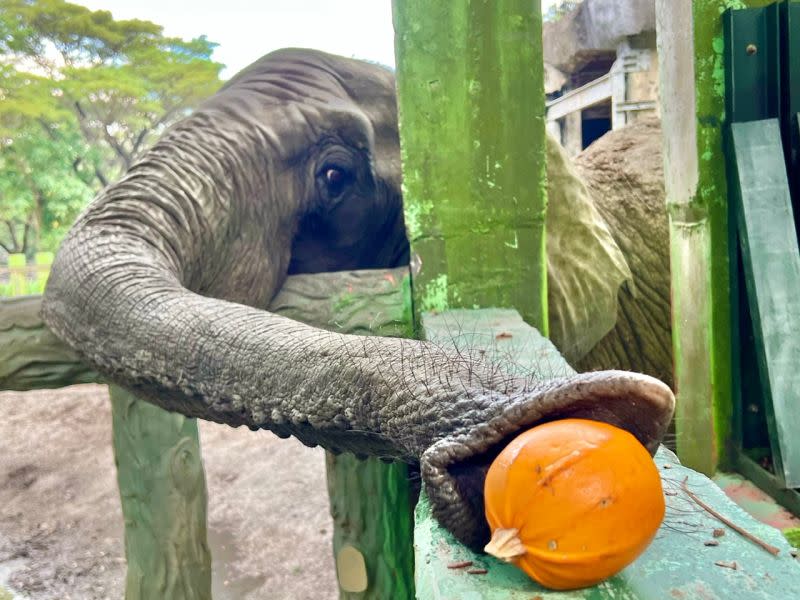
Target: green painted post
<point x="371" y="508"/>
<point x="471" y="102"/>
<point x="691" y="51"/>
<point x="18" y="282"/>
<point x="163" y="491"/>
<point x="43" y="261"/>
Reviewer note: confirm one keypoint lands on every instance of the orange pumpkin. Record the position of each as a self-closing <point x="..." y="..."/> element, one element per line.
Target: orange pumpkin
<point x="572" y="502"/>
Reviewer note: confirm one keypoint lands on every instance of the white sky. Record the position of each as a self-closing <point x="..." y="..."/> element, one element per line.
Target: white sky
<point x="248" y="29"/>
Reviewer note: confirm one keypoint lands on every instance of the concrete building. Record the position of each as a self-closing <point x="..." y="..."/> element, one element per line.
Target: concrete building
<point x="601" y="69"/>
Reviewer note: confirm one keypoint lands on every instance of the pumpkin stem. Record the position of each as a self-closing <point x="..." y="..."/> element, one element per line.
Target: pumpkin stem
<point x="505" y="545"/>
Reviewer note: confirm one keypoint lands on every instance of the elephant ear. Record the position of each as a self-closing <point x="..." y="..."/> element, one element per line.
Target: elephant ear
<point x="586" y="267"/>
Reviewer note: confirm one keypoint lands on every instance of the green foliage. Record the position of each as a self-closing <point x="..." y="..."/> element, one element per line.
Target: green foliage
<point x="44" y="183"/>
<point x="81" y="97"/>
<point x="792" y="535"/>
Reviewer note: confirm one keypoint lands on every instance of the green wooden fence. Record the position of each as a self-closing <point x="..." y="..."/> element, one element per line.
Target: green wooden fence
<point x="20" y="277"/>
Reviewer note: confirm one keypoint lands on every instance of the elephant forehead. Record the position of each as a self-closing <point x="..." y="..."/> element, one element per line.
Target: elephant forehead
<point x="300" y="97"/>
<point x="313" y="76"/>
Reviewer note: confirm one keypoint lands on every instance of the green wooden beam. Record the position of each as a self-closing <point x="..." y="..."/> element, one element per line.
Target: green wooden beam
<point x="31" y="356"/>
<point x="772" y="275"/>
<point x="471" y="101"/>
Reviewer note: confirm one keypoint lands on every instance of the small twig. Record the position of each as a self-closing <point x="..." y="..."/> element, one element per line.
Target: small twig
<point x="477" y="571"/>
<point x="728" y="565"/>
<point x="460" y="564"/>
<point x="769" y="548"/>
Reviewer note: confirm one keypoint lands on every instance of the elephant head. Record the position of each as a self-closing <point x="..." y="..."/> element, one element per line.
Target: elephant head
<point x="294" y="166"/>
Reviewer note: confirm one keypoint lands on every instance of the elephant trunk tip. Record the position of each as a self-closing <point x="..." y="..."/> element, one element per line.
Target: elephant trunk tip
<point x="454" y="468"/>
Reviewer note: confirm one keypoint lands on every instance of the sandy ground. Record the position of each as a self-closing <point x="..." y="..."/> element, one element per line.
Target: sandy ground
<point x="61" y="533"/>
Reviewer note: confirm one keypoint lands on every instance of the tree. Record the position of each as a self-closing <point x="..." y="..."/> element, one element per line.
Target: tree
<point x="81" y="97"/>
<point x="44" y="183"/>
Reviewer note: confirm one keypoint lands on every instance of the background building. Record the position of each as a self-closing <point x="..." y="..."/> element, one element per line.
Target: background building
<point x="601" y="69"/>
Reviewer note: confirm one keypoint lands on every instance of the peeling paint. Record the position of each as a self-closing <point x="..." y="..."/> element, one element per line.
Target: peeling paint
<point x="435" y="295"/>
<point x="474" y="177"/>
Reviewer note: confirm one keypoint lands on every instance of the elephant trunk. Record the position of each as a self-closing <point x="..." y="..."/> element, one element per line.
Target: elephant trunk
<point x="153" y="291"/>
<point x="115" y="298"/>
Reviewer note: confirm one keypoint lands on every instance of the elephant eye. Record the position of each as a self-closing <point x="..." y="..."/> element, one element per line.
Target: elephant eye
<point x="336" y="180"/>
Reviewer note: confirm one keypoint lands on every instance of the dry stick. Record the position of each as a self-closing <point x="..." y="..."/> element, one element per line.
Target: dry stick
<point x="769" y="548"/>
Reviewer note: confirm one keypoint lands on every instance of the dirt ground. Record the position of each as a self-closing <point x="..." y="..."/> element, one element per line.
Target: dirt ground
<point x="61" y="534"/>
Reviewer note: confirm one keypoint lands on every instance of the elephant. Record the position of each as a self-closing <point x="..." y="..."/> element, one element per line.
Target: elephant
<point x="624" y="174"/>
<point x="293" y="166"/>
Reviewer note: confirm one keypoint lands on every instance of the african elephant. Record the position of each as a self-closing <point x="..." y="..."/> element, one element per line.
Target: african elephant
<point x="293" y="167"/>
<point x="616" y="314"/>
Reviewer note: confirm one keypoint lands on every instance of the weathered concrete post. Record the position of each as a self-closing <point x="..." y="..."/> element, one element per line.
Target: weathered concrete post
<point x="470" y="81"/>
<point x="691" y="48"/>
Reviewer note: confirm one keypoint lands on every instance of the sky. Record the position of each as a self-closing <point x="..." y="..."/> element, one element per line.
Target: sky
<point x="247" y="29"/>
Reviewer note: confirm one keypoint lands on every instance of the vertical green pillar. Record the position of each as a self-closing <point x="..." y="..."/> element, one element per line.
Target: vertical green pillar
<point x="471" y="101"/>
<point x="163" y="491"/>
<point x="692" y="94"/>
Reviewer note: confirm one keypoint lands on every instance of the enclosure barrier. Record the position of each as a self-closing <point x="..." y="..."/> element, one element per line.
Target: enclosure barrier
<point x="677" y="563"/>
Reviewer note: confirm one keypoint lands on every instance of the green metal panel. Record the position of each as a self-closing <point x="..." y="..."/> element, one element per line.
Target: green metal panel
<point x="772" y="275"/>
<point x="676" y="565"/>
<point x="753" y="64"/>
<point x="763" y="73"/>
<point x="790" y="44"/>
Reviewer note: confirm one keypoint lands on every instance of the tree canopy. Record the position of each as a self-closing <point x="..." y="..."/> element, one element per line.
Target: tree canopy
<point x="82" y="95"/>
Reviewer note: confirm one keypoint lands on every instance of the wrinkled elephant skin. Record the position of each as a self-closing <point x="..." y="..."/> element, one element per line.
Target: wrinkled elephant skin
<point x="294" y="167"/>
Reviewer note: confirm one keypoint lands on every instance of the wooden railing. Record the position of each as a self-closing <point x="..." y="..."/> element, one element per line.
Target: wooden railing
<point x="20" y="277"/>
<point x="160" y="471"/>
